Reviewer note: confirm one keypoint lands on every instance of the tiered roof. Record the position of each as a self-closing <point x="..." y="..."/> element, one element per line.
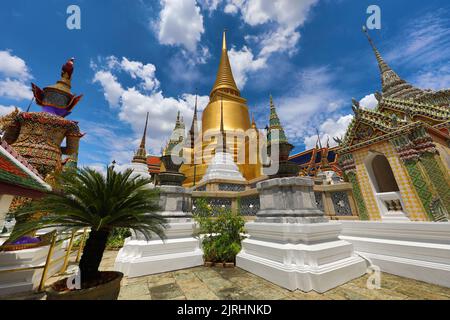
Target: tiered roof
<point x="400" y="107"/>
<point x="17" y="176"/>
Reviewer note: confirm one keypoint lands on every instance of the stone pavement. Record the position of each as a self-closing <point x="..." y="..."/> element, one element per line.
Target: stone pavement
<point x="203" y="283"/>
<point x="215" y="283"/>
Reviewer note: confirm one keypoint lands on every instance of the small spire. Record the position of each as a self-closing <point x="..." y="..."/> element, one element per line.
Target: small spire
<point x="318" y="138"/>
<point x="194" y="125"/>
<point x="145" y="133"/>
<point x="381" y="63"/>
<point x="392" y="85"/>
<point x="140" y="155"/>
<point x="253" y="121"/>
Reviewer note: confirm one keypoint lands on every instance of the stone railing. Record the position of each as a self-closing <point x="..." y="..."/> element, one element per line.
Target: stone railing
<point x="335" y="200"/>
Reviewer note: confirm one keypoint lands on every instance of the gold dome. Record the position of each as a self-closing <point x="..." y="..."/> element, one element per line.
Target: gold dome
<point x="235" y="118"/>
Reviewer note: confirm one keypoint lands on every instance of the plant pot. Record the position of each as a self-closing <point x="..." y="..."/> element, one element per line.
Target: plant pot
<point x="105" y="291"/>
<point x="209" y="264"/>
<point x="219" y="264"/>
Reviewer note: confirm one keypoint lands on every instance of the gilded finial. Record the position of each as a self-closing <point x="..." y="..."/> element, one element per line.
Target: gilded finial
<point x="224" y="40"/>
<point x="224" y="79"/>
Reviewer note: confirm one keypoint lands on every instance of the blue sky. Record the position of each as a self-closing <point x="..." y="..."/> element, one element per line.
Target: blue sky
<point x="139" y="56"/>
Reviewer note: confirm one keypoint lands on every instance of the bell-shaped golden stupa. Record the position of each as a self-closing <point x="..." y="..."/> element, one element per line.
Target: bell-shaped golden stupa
<point x="236" y="120"/>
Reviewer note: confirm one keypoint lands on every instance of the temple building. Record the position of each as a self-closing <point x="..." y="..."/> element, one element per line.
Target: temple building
<point x="397" y="155"/>
<point x="200" y="148"/>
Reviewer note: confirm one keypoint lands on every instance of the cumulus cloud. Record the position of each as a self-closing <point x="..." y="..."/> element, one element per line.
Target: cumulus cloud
<point x="13" y="67"/>
<point x="369" y="101"/>
<point x="4" y="110"/>
<point x="112" y="90"/>
<point x="133" y="103"/>
<point x="14" y="77"/>
<point x="329" y="129"/>
<point x="281" y="19"/>
<point x="310" y="103"/>
<point x="180" y="23"/>
<point x="15" y="89"/>
<point x="243" y="62"/>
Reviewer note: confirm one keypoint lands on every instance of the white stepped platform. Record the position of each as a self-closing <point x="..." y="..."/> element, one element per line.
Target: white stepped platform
<point x="180" y="250"/>
<point x="417" y="250"/>
<point x="320" y="265"/>
<point x="26" y="281"/>
<point x="140" y="257"/>
<point x="293" y="245"/>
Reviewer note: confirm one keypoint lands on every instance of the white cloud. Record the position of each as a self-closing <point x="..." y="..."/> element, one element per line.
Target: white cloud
<point x="369" y="101"/>
<point x="243" y="62"/>
<point x="112" y="90"/>
<point x="144" y="72"/>
<point x="133" y="104"/>
<point x="329" y="129"/>
<point x="14" y="75"/>
<point x="282" y="17"/>
<point x="310" y="103"/>
<point x="13" y="67"/>
<point x="180" y="23"/>
<point x="4" y="110"/>
<point x="15" y="89"/>
<point x="423" y="46"/>
<point x="209" y="5"/>
<point x="436" y="78"/>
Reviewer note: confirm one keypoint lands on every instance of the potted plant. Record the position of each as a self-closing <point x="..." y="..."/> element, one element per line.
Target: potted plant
<point x="88" y="199"/>
<point x="220" y="230"/>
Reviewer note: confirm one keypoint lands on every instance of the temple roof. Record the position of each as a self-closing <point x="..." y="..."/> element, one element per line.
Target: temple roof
<point x="154" y="164"/>
<point x="414" y="109"/>
<point x="312" y="160"/>
<point x="16" y="172"/>
<point x="392" y="85"/>
<point x="225" y="80"/>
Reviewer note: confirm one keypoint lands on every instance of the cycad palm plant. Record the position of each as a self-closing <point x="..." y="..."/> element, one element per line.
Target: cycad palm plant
<point x="87" y="198"/>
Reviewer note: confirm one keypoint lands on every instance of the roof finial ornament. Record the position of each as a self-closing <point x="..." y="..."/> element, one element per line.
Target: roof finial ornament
<point x="224" y="40"/>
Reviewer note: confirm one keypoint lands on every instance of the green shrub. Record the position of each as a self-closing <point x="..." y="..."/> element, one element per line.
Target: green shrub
<point x="221" y="230"/>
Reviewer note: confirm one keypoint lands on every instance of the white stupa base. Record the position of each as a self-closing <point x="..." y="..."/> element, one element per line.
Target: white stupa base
<point x="180" y="251"/>
<point x="222" y="167"/>
<point x="141" y="170"/>
<point x="27" y="280"/>
<point x="300" y="256"/>
<point x="416" y="250"/>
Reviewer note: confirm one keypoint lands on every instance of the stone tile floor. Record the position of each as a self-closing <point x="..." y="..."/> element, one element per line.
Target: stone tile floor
<point x="203" y="283"/>
<point x="215" y="283"/>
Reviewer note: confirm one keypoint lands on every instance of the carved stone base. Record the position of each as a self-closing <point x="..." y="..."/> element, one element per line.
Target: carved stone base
<point x="292" y="244"/>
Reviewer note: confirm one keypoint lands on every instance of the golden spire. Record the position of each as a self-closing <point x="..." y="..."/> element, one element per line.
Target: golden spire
<point x="225" y="80"/>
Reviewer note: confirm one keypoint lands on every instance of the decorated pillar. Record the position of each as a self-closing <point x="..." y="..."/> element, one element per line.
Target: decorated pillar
<point x="432" y="165"/>
<point x="349" y="167"/>
<point x="409" y="156"/>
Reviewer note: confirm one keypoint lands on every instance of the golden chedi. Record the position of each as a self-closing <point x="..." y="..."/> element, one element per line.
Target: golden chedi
<point x="236" y="121"/>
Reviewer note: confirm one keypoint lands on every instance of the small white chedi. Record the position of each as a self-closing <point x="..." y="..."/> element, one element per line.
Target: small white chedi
<point x="222" y="167"/>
